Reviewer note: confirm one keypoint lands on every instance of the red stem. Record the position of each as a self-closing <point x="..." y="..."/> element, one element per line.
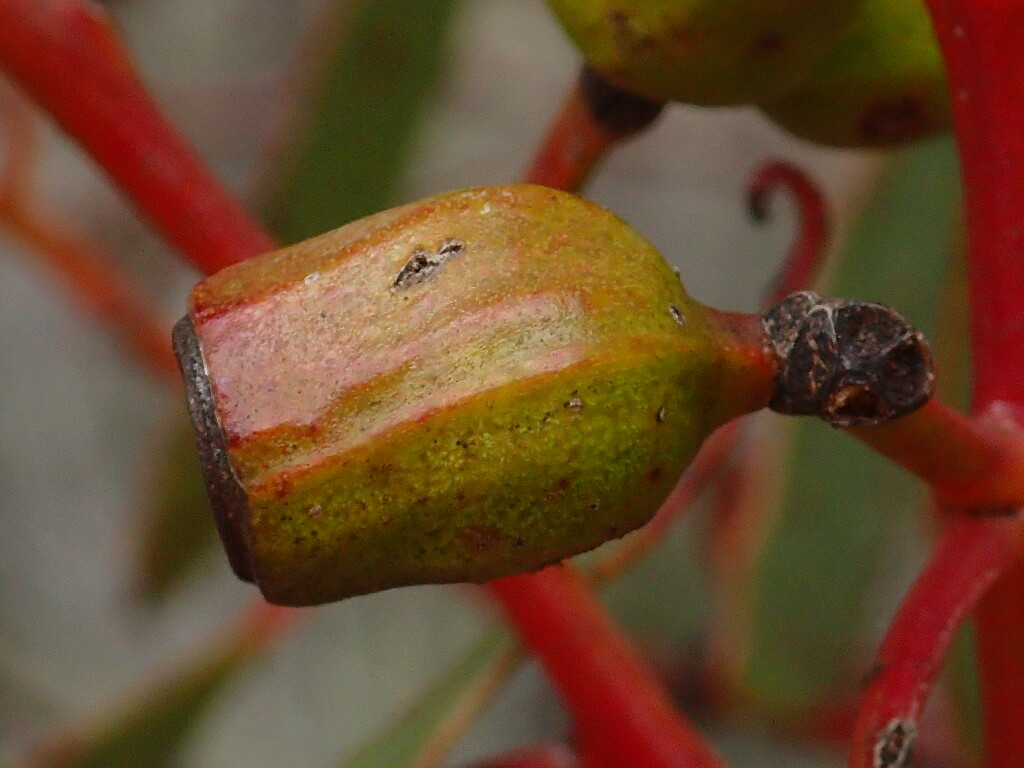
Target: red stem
<point x="981" y="41"/>
<point x="66" y="55"/>
<point x="621" y="711"/>
<point x="971" y="555"/>
<point x="93" y="278"/>
<point x="803" y="262"/>
<point x="968" y="463"/>
<point x="98" y="284"/>
<point x="572" y="147"/>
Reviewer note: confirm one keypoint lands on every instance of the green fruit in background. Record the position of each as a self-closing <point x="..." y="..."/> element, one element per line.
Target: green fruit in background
<point x="474" y="385"/>
<point x="883" y="85"/>
<point x="710" y="52"/>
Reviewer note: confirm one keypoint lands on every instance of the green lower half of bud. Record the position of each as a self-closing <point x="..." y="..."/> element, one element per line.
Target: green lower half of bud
<point x="502" y="483"/>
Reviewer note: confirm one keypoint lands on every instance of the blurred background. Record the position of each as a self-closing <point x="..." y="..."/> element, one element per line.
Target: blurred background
<point x="317" y="114"/>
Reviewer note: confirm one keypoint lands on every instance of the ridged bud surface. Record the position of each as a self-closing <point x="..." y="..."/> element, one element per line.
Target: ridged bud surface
<point x="470" y="386"/>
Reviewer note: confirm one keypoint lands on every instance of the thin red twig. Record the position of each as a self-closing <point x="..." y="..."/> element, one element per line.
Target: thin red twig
<point x="621" y="711"/>
<point x="595" y="117"/>
<point x="971" y="555"/>
<point x="66" y="55"/>
<point x="92" y="277"/>
<point x="981" y="42"/>
<point x="806" y="254"/>
<point x="571" y="148"/>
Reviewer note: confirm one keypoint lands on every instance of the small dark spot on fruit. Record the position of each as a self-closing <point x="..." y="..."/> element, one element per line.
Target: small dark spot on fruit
<point x="418" y="268"/>
<point x="595" y="506"/>
<point x="654" y="475"/>
<point x="520" y="541"/>
<point x="422" y="499"/>
<point x="575" y="405"/>
<point x="660" y="415"/>
<point x="630" y="35"/>
<point x="895" y="122"/>
<point x="451" y="247"/>
<point x="767" y="44"/>
<point x="423" y="264"/>
<point x="677" y="315"/>
<point x="479" y="537"/>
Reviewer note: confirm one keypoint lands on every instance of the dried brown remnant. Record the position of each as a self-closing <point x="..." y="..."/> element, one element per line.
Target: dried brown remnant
<point x="852" y="363"/>
<point x="423" y="264"/>
<point x="894" y="745"/>
<point x="619" y="112"/>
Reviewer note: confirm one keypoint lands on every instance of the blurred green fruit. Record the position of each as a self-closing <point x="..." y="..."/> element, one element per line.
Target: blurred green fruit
<point x="710" y="52"/>
<point x="883" y="85"/>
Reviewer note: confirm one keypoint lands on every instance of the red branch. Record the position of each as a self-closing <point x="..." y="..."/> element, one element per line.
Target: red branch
<point x="93" y="278"/>
<point x="971" y="555"/>
<point x="981" y="41"/>
<point x="621" y="711"/>
<point x="803" y="262"/>
<point x="571" y="148"/>
<point x="66" y="55"/>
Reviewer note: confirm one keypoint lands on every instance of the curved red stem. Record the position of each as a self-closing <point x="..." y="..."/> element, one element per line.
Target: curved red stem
<point x="806" y="254"/>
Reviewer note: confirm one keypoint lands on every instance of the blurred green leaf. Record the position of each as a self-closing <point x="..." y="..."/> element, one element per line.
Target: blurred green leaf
<point x="363" y="116"/>
<point x="177" y="525"/>
<point x="844" y="505"/>
<point x="403" y="740"/>
<point x="149" y="731"/>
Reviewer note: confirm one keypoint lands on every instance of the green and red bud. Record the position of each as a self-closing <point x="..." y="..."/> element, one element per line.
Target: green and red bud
<point x="466" y="387"/>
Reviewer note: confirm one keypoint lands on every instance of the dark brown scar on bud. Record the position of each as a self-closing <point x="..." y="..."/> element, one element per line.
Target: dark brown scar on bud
<point x="422" y="264"/>
<point x="851" y="363"/>
<point x="618" y="112"/>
